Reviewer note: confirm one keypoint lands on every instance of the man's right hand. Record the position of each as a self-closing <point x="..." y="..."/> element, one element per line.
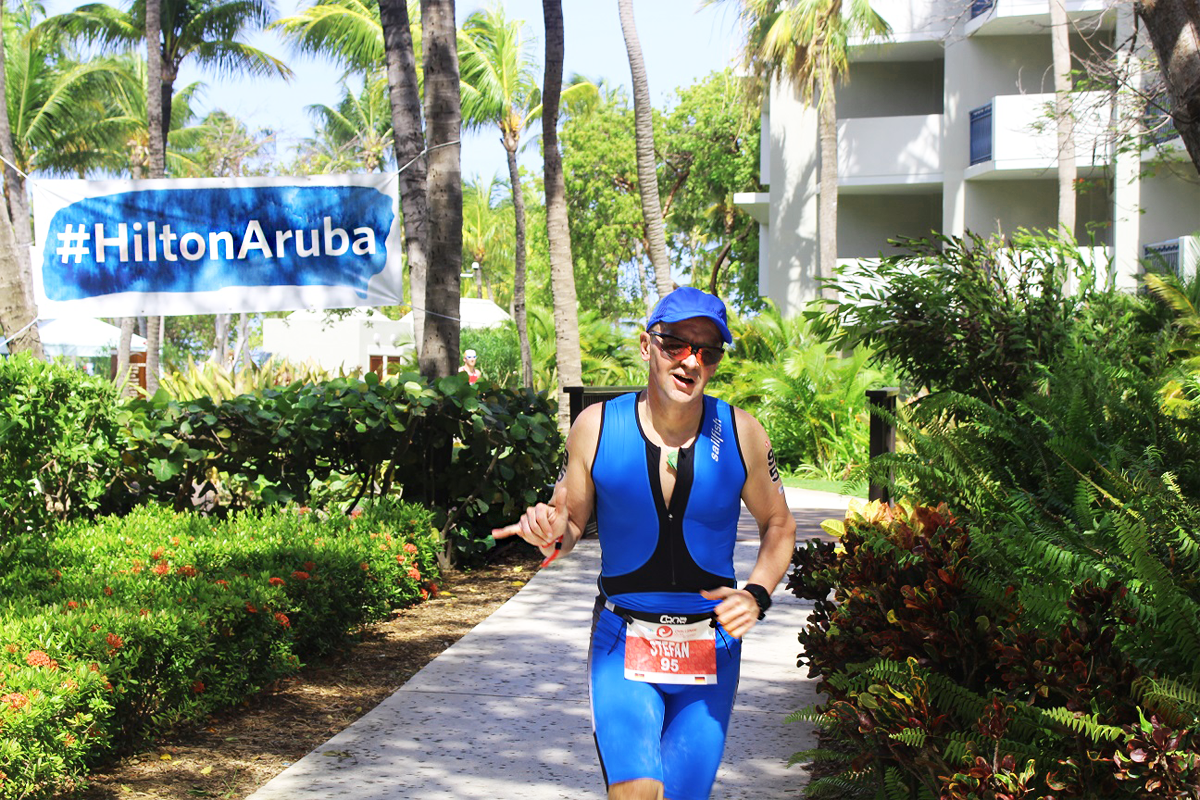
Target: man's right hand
<point x="540" y="525"/>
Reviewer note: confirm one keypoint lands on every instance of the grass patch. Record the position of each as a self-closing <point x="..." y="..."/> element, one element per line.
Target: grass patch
<point x="825" y="485"/>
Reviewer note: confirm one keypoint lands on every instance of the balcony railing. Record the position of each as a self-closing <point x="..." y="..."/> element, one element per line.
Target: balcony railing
<point x="981" y="134"/>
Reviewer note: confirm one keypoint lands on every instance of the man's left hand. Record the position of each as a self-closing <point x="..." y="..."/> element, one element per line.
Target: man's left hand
<point x="737" y="610"/>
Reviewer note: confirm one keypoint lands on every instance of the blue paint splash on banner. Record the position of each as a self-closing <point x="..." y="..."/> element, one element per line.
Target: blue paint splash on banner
<point x="204" y="239"/>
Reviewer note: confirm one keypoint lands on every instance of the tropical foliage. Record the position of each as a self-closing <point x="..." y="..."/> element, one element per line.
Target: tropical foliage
<point x="1025" y="624"/>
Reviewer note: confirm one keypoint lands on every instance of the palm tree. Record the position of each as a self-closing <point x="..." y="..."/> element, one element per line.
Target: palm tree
<point x="359" y="128"/>
<point x="805" y="42"/>
<point x="208" y="32"/>
<point x="562" y="272"/>
<point x="1060" y="46"/>
<point x="362" y="36"/>
<point x="643" y="122"/>
<point x="487" y="231"/>
<point x="443" y="117"/>
<point x="500" y="88"/>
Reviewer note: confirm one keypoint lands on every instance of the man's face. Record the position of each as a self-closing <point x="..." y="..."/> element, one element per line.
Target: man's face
<point x="682" y="380"/>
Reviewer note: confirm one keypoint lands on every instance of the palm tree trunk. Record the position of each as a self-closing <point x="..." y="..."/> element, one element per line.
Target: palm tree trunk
<point x="17" y="306"/>
<point x="220" y="338"/>
<point x="827" y="205"/>
<point x="1174" y="29"/>
<point x="443" y="116"/>
<point x="408" y="139"/>
<point x="518" y="198"/>
<point x="156" y="124"/>
<point x="643" y="121"/>
<point x="123" y="348"/>
<point x="1067" y="171"/>
<point x="558" y="230"/>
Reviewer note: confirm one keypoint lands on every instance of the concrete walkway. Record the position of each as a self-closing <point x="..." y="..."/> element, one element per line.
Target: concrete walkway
<point x="503" y="713"/>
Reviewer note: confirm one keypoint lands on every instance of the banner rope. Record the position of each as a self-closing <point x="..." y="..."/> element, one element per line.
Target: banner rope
<point x="18" y="333"/>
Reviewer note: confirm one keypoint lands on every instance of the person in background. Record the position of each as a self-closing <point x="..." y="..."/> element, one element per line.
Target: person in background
<point x="473" y="372"/>
<point x="666" y="470"/>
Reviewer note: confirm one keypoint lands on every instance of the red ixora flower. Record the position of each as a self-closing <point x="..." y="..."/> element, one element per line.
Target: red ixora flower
<point x="198" y="687"/>
<point x="277" y="582"/>
<point x="114" y="641"/>
<point x="414" y="573"/>
<point x="250" y="607"/>
<point x="300" y="576"/>
<point x="72" y="605"/>
<point x="187" y="571"/>
<point x="355" y="513"/>
<point x="162" y="568"/>
<point x="15" y="700"/>
<point x="108" y="591"/>
<point x="37" y="658"/>
<point x="409" y="547"/>
<point x="157" y="553"/>
<point x="310" y="565"/>
<point x="282" y="619"/>
<point x="221" y="582"/>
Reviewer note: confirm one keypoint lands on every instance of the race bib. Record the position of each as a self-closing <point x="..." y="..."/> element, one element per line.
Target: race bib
<point x="671" y="652"/>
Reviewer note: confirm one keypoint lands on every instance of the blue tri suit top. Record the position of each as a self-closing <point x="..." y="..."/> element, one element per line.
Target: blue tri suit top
<point x="656" y="559"/>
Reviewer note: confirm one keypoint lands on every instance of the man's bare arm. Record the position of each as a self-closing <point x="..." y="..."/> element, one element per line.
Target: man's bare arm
<point x="763" y="495"/>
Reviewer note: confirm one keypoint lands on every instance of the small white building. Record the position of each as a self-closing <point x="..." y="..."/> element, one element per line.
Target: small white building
<point x="947" y="128"/>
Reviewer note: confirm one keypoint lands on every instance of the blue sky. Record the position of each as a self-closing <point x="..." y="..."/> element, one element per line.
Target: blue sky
<point x="681" y="42"/>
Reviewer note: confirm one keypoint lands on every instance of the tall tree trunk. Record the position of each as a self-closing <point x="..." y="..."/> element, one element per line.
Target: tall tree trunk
<point x="443" y="117"/>
<point x="1174" y="28"/>
<point x="562" y="271"/>
<point x="827" y="205"/>
<point x="1060" y="45"/>
<point x="220" y="338"/>
<point x="123" y="347"/>
<point x="408" y="139"/>
<point x="242" y="342"/>
<point x="156" y="124"/>
<point x="643" y="121"/>
<point x="17" y="306"/>
<point x="518" y="198"/>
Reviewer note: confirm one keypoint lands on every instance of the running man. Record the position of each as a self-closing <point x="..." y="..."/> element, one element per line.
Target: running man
<point x="665" y="470"/>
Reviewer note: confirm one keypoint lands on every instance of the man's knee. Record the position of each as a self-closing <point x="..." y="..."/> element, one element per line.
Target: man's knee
<point x="641" y="789"/>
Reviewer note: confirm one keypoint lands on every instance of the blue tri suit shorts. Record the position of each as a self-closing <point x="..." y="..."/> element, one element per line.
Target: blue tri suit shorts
<point x="671" y="733"/>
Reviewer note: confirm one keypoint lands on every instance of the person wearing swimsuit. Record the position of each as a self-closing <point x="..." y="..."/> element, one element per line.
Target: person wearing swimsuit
<point x="665" y="470"/>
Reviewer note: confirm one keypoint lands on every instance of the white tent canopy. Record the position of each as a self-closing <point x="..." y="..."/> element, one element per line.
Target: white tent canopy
<point x="83" y="337"/>
<point x="474" y="312"/>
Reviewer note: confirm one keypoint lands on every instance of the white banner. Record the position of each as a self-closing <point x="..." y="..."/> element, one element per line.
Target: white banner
<point x="216" y="245"/>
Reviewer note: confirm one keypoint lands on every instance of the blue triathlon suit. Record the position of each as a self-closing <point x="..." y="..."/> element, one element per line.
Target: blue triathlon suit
<point x="655" y="560"/>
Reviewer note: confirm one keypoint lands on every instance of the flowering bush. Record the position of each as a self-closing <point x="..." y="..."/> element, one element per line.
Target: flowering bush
<point x="120" y="629"/>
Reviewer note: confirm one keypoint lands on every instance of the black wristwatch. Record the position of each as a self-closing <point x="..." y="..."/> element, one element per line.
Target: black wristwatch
<point x="761" y="596"/>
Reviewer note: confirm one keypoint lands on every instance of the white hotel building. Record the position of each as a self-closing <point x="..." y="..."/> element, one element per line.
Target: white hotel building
<point x="946" y="127"/>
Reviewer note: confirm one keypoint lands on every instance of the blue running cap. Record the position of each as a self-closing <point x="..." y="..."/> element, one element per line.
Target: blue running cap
<point x="688" y="302"/>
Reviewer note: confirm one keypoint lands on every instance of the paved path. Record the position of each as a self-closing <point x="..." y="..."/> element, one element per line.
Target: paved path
<point x="503" y="713"/>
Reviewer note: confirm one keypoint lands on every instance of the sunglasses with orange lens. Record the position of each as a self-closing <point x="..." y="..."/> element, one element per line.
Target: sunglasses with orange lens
<point x="678" y="349"/>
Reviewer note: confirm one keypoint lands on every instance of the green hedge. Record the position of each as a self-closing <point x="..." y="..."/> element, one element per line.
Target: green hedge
<point x="111" y="632"/>
<point x="485" y="451"/>
<point x="59" y="448"/>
